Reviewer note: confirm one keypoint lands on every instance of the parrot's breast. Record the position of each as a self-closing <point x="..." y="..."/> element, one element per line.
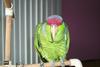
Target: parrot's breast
<point x="52" y="50"/>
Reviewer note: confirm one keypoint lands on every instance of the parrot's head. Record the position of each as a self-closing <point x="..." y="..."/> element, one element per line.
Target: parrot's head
<point x="54" y="21"/>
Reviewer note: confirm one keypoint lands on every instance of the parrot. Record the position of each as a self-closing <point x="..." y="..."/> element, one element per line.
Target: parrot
<point x="52" y="40"/>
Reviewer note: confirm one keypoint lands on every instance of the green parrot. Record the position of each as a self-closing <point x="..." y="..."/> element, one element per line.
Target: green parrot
<point x="52" y="39"/>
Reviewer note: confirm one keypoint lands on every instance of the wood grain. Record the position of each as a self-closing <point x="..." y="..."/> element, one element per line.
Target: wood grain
<point x="7" y="3"/>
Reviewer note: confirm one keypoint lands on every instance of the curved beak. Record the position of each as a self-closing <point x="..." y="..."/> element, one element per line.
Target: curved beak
<point x="53" y="31"/>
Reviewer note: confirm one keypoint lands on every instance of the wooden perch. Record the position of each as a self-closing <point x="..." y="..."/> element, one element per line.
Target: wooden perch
<point x="48" y="64"/>
<point x="8" y="36"/>
<point x="71" y="62"/>
<point x="8" y="32"/>
<point x="38" y="65"/>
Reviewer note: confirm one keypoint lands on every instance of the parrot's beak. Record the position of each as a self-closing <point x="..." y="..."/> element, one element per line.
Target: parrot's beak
<point x="53" y="31"/>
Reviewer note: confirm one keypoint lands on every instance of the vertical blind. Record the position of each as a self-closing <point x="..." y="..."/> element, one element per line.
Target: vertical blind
<point x="28" y="13"/>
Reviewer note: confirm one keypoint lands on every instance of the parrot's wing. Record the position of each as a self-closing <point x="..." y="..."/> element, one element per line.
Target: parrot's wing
<point x="37" y="44"/>
<point x="67" y="38"/>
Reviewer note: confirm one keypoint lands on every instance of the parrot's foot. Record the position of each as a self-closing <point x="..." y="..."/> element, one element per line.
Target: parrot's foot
<point x="62" y="63"/>
<point x="52" y="64"/>
<point x="41" y="64"/>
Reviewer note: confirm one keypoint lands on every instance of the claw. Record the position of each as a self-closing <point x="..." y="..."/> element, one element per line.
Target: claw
<point x="41" y="64"/>
<point x="52" y="64"/>
<point x="62" y="62"/>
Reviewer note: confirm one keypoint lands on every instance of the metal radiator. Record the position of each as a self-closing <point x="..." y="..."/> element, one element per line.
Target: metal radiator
<point x="28" y="13"/>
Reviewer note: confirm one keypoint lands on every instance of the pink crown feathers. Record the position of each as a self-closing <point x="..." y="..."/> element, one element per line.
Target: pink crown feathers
<point x="54" y="19"/>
